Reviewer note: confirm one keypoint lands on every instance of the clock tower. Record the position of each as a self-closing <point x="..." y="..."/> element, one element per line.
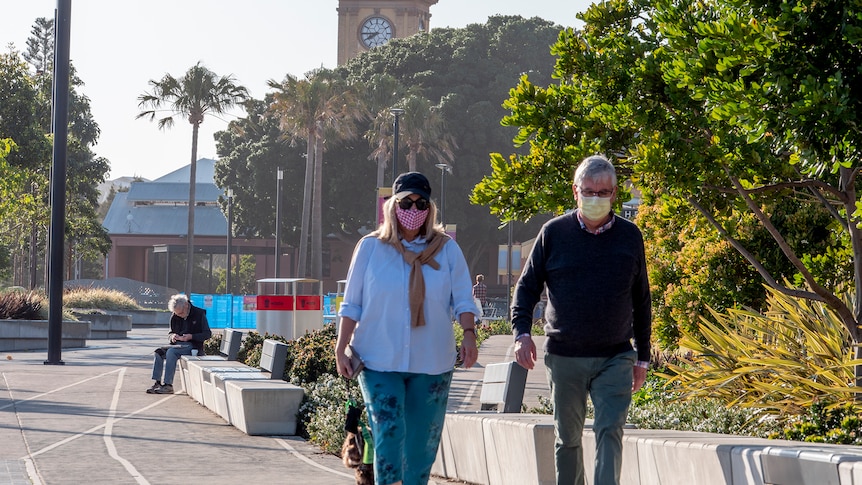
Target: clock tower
<point x="366" y="24"/>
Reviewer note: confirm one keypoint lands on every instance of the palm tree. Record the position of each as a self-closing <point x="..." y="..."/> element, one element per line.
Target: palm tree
<point x="423" y="132"/>
<point x="198" y="93"/>
<point x="318" y="106"/>
<point x="383" y="91"/>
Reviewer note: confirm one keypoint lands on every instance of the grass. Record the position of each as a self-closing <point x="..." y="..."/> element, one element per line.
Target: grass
<point x="98" y="298"/>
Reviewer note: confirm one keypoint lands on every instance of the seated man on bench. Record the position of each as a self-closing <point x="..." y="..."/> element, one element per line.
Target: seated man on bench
<point x="189" y="331"/>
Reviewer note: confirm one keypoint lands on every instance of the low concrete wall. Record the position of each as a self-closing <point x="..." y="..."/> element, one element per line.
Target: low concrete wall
<point x="106" y="325"/>
<point x="519" y="449"/>
<point x="33" y="334"/>
<point x="147" y="318"/>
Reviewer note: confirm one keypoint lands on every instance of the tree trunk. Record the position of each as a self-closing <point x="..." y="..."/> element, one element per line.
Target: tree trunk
<point x="302" y="263"/>
<point x="190" y="235"/>
<point x="317" y="213"/>
<point x="381" y="171"/>
<point x="34" y="257"/>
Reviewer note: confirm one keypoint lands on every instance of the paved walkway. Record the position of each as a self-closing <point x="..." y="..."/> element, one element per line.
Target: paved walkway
<point x="90" y="421"/>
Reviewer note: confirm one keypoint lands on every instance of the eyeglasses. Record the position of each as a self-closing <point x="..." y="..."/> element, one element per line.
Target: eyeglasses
<point x="592" y="193"/>
<point x="406" y="204"/>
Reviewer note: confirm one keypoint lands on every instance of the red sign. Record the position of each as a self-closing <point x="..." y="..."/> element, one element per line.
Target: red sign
<point x="308" y="302"/>
<point x="275" y="302"/>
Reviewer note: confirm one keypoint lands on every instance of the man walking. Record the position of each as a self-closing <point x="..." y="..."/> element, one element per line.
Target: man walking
<point x="593" y="265"/>
<point x="480" y="296"/>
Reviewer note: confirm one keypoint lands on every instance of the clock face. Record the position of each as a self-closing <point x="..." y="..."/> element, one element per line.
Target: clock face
<point x="376" y="31"/>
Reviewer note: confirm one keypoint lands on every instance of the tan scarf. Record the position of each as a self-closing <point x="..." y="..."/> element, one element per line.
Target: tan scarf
<point x="417" y="281"/>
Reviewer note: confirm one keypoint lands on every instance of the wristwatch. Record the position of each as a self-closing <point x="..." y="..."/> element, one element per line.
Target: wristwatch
<point x="521" y="335"/>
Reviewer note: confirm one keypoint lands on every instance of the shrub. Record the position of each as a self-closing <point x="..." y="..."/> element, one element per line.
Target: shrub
<point x="825" y="424"/>
<point x="321" y="415"/>
<point x="249" y="352"/>
<point x="780" y="363"/>
<point x="23" y="305"/>
<point x="100" y="298"/>
<point x="313" y="355"/>
<point x="213" y="345"/>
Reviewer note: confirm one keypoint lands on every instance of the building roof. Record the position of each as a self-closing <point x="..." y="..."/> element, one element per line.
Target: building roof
<point x="204" y="173"/>
<point x="160" y="207"/>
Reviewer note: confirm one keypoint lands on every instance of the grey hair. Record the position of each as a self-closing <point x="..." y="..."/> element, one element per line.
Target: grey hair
<point x="595" y="168"/>
<point x="388" y="229"/>
<point x="178" y="299"/>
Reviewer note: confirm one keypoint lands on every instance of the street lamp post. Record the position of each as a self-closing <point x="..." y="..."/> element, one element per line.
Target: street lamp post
<point x="278" y="222"/>
<point x="397" y="112"/>
<point x="227" y="285"/>
<point x="229" y="238"/>
<point x="509" y="274"/>
<point x="444" y="167"/>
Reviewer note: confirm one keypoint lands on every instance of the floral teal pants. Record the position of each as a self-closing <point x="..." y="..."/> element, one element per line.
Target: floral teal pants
<point x="406" y="412"/>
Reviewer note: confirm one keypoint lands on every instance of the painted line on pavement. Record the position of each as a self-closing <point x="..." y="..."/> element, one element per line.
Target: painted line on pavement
<point x="109" y="429"/>
<point x="311" y="462"/>
<point x="94" y="429"/>
<point x="54" y="390"/>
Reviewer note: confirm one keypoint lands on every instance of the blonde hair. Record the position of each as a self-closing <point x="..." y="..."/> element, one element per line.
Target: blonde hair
<point x="388" y="229"/>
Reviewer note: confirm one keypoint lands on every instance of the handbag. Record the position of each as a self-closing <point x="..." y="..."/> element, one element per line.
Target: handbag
<point x="356" y="362"/>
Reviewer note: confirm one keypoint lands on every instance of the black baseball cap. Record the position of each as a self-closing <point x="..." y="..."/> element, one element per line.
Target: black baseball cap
<point x="411" y="183"/>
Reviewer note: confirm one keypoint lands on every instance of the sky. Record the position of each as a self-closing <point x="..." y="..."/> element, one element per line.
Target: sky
<point x="118" y="46"/>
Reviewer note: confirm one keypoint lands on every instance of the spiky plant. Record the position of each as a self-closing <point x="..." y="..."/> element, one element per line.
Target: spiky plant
<point x="780" y="362"/>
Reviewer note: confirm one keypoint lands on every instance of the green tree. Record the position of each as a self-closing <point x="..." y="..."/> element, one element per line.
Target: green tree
<point x="322" y="106"/>
<point x="40" y="45"/>
<point x="86" y="239"/>
<point x="251" y="151"/>
<point x="727" y="107"/>
<point x="24" y="227"/>
<point x="382" y="92"/>
<point x="423" y="132"/>
<point x="194" y="95"/>
<point x="470" y="71"/>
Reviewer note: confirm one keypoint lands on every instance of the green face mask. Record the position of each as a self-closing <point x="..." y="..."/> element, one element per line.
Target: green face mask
<point x="595" y="208"/>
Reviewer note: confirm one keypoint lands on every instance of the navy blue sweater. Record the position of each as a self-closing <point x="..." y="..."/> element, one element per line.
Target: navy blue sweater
<point x="598" y="289"/>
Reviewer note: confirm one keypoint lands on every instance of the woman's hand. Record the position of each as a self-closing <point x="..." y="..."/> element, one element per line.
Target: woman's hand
<point x="342" y="364"/>
<point x="469" y="350"/>
<point x="342" y="361"/>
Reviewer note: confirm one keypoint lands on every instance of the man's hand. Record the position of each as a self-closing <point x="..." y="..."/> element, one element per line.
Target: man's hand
<point x="525" y="352"/>
<point x="638" y="378"/>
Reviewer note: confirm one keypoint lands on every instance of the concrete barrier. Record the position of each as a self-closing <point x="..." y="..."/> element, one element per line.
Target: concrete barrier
<point x="106" y="326"/>
<point x="519" y="449"/>
<point x="33" y="334"/>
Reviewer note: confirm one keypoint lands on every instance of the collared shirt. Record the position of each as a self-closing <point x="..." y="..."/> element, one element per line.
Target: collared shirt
<point x="480" y="291"/>
<point x="601" y="228"/>
<point x="377" y="298"/>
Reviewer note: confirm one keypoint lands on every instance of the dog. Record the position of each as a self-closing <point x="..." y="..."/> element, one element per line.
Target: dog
<point x="351" y="454"/>
<point x="353" y="449"/>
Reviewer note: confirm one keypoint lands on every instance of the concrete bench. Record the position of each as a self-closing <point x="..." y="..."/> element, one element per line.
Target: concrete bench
<point x="503" y="387"/>
<point x="228" y="352"/>
<point x="262" y="406"/>
<point x="257" y="401"/>
<point x="272" y="361"/>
